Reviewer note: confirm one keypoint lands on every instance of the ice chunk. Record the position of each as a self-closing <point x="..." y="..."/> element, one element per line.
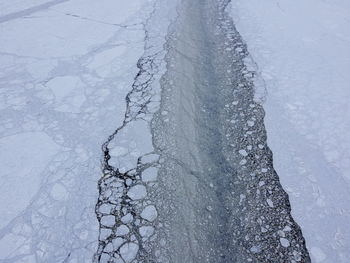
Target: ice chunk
<point x="108" y="220"/>
<point x="149" y="213"/>
<point x="284" y="242"/>
<point x="243" y="162"/>
<point x="250" y="123"/>
<point x="269" y="202"/>
<point x="137" y="192"/>
<point x="122" y="230"/>
<point x="127" y="218"/>
<point x="243" y="152"/>
<point x="129" y="251"/>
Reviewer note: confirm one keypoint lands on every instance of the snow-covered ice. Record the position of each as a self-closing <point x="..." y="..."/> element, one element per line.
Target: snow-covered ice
<point x="65" y="69"/>
<point x="23" y="160"/>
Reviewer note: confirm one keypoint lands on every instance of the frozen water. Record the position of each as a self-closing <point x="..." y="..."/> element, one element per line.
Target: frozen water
<point x="137" y="192"/>
<point x="149" y="213"/>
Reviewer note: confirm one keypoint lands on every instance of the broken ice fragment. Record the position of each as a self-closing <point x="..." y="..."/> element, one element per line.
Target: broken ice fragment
<point x="137" y="192"/>
<point x="255" y="249"/>
<point x="122" y="230"/>
<point x="250" y="123"/>
<point x="127" y="218"/>
<point x="108" y="221"/>
<point x="269" y="202"/>
<point x="243" y="162"/>
<point x="128" y="251"/>
<point x="149" y="213"/>
<point x="243" y="152"/>
<point x="284" y="242"/>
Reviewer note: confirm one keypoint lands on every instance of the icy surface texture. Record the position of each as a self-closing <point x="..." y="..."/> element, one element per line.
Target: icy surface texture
<point x="66" y="67"/>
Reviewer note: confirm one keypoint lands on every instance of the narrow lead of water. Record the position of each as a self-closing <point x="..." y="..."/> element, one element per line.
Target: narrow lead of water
<point x="219" y="198"/>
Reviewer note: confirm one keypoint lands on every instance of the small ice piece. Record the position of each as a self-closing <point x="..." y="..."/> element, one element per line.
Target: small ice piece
<point x="127" y="218"/>
<point x="105" y="209"/>
<point x="287" y="229"/>
<point x="149" y="213"/>
<point x="269" y="202"/>
<point x="243" y="162"/>
<point x="284" y="242"/>
<point x="261" y="146"/>
<point x="255" y="249"/>
<point x="261" y="183"/>
<point x="164" y="112"/>
<point x="108" y="221"/>
<point x="128" y="181"/>
<point x="137" y="192"/>
<point x="250" y="123"/>
<point x="146" y="231"/>
<point x="281" y="233"/>
<point x="211" y="185"/>
<point x="129" y="251"/>
<point x="235" y="102"/>
<point x="243" y="152"/>
<point x="297" y="256"/>
<point x="264" y="170"/>
<point x="122" y="230"/>
<point x="249" y="147"/>
<point x="241" y="198"/>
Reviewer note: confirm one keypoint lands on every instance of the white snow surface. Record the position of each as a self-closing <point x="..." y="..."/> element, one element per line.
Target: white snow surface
<point x="301" y="51"/>
<point x="65" y="69"/>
